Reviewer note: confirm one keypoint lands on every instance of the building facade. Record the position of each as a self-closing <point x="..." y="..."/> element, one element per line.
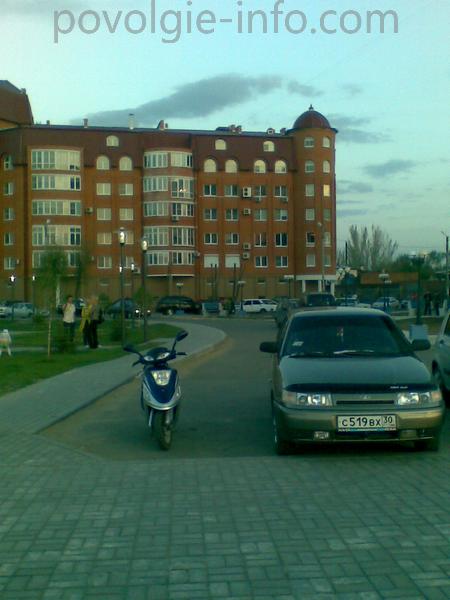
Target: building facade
<point x="224" y="212"/>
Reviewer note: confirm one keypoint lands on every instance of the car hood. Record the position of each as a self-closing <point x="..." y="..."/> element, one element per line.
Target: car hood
<point x="349" y="373"/>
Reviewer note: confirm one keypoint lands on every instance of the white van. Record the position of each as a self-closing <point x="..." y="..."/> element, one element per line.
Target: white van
<point x="258" y="305"/>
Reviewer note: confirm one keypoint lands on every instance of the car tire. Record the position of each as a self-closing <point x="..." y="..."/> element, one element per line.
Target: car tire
<point x="431" y="445"/>
<point x="281" y="446"/>
<point x="440" y="382"/>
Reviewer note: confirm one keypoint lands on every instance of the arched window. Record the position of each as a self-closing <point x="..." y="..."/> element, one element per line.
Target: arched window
<point x="125" y="164"/>
<point x="326" y="142"/>
<point x="210" y="165"/>
<point x="259" y="166"/>
<point x="326" y="167"/>
<point x="231" y="166"/>
<point x="269" y="147"/>
<point x="102" y="163"/>
<point x="112" y="141"/>
<point x="280" y="166"/>
<point x="309" y="166"/>
<point x="309" y="142"/>
<point x="221" y="145"/>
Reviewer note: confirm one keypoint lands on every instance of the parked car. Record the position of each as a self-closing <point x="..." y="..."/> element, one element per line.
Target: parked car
<point x="258" y="305"/>
<point x="320" y="299"/>
<point x="441" y="358"/>
<point x="23" y="310"/>
<point x="211" y="307"/>
<point x="389" y="302"/>
<point x="168" y="305"/>
<point x="350" y="375"/>
<point x="130" y="308"/>
<point x="6" y="309"/>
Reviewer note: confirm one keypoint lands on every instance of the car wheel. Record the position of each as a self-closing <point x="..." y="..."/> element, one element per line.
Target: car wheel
<point x="440" y="382"/>
<point x="428" y="445"/>
<point x="281" y="446"/>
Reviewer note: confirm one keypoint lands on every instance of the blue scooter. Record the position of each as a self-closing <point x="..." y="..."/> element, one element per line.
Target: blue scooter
<point x="160" y="389"/>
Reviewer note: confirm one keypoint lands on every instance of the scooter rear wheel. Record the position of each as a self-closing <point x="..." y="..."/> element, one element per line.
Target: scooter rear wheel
<point x="163" y="431"/>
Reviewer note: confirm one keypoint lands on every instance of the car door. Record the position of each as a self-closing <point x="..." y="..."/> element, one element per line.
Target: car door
<point x="442" y="349"/>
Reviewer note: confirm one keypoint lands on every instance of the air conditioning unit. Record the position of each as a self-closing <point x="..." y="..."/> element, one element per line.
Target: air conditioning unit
<point x="246" y="255"/>
<point x="247" y="211"/>
<point x="246" y="192"/>
<point x="89" y="210"/>
<point x="247" y="246"/>
<point x="175" y="218"/>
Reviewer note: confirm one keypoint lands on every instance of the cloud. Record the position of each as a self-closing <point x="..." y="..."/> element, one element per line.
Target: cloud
<point x="199" y="99"/>
<point x="353" y="130"/>
<point x="390" y="167"/>
<point x="294" y="87"/>
<point x="352" y="89"/>
<point x="39" y="7"/>
<point x="353" y="187"/>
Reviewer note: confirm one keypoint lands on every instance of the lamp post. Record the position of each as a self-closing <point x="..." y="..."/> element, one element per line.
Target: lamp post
<point x="241" y="284"/>
<point x="12" y="279"/>
<point x="384" y="277"/>
<point x="33" y="292"/>
<point x="132" y="270"/>
<point x="122" y="242"/>
<point x="144" y="248"/>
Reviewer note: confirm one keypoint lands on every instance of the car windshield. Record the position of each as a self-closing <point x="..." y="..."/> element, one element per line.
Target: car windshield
<point x="342" y="336"/>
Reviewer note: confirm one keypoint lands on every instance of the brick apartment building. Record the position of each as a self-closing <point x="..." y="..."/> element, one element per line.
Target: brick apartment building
<point x="216" y="207"/>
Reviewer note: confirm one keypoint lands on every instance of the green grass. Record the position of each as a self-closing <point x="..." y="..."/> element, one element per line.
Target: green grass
<point x="27" y="367"/>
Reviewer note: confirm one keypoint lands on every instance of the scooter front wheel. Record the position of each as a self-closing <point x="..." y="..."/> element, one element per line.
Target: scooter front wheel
<point x="162" y="430"/>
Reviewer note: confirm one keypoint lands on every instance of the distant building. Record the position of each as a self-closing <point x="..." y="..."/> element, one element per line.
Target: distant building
<point x="216" y="207"/>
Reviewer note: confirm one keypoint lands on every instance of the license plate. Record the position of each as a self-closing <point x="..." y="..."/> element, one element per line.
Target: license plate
<point x="366" y="423"/>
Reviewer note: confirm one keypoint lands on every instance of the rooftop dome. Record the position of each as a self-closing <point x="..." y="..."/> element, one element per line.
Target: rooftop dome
<point x="311" y="119"/>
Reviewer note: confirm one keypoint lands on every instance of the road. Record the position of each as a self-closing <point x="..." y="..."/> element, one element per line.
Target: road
<point x="225" y="411"/>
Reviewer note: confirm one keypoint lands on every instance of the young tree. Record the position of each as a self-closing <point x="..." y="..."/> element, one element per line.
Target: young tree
<point x="374" y="250"/>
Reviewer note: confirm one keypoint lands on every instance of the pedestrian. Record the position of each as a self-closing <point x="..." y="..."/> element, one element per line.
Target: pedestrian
<point x="427" y="299"/>
<point x="69" y="318"/>
<point x="85" y="323"/>
<point x="436" y="303"/>
<point x="5" y="342"/>
<point x="95" y="318"/>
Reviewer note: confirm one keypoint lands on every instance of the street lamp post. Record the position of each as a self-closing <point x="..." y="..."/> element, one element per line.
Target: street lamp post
<point x="12" y="280"/>
<point x="144" y="248"/>
<point x="122" y="242"/>
<point x="33" y="292"/>
<point x="132" y="270"/>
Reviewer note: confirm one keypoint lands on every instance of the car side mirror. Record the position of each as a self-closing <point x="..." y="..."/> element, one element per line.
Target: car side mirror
<point x="419" y="345"/>
<point x="269" y="347"/>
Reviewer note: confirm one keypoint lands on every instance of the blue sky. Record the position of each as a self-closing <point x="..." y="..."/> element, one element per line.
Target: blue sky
<point x="388" y="94"/>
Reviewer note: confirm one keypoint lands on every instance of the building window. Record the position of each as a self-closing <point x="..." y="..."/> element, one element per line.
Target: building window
<point x="280" y="166"/>
<point x="281" y="262"/>
<point x="156" y="184"/>
<point x="73" y="259"/>
<point x="104" y="238"/>
<point x="231" y="239"/>
<point x="210" y="214"/>
<point x="157" y="236"/>
<point x="36" y="257"/>
<point x="231" y="191"/>
<point x="211" y="260"/>
<point x="59" y="160"/>
<point x="9" y="263"/>
<point x="310" y="260"/>
<point x="310" y="214"/>
<point x="261" y="262"/>
<point x="156" y="160"/>
<point x="260" y="214"/>
<point x="211" y="238"/>
<point x="8" y="214"/>
<point x="56" y="182"/>
<point x="103" y="189"/>
<point x="310" y="238"/>
<point x="310" y="166"/>
<point x="74" y="236"/>
<point x="104" y="262"/>
<point x="309" y="190"/>
<point x="8" y="163"/>
<point x="327" y="214"/>
<point x="326" y="142"/>
<point x="182" y="188"/>
<point x="8" y="239"/>
<point x="103" y="214"/>
<point x="309" y="142"/>
<point x="281" y="239"/>
<point x="129" y="237"/>
<point x="231" y="214"/>
<point x="326" y="238"/>
<point x="326" y="190"/>
<point x="268" y="146"/>
<point x="281" y="191"/>
<point x="112" y="141"/>
<point x="326" y="166"/>
<point x="8" y="188"/>
<point x="126" y="189"/>
<point x="126" y="214"/>
<point x="156" y="209"/>
<point x="210" y="189"/>
<point x="231" y="166"/>
<point x="56" y="207"/>
<point x="125" y="164"/>
<point x="182" y="236"/>
<point x="181" y="159"/>
<point x="220" y="145"/>
<point x="231" y="261"/>
<point x="103" y="163"/>
<point x="260" y="191"/>
<point x="261" y="240"/>
<point x="158" y="258"/>
<point x="280" y="214"/>
<point x="259" y="166"/>
<point x="210" y="165"/>
<point x="182" y="209"/>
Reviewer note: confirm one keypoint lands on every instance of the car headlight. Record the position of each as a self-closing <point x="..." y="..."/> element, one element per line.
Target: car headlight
<point x="161" y="377"/>
<point x="419" y="398"/>
<point x="306" y="399"/>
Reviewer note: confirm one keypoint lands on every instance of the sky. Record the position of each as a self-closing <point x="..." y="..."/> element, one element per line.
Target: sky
<point x="201" y="66"/>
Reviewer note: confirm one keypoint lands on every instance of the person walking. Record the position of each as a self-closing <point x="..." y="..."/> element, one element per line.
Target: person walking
<point x="427" y="299"/>
<point x="85" y="323"/>
<point x="94" y="321"/>
<point x="69" y="318"/>
<point x="437" y="303"/>
<point x="5" y="342"/>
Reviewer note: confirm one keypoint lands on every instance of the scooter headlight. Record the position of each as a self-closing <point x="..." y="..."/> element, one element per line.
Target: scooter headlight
<point x="161" y="377"/>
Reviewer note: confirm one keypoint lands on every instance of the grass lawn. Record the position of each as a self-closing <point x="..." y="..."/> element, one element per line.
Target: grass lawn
<point x="27" y="367"/>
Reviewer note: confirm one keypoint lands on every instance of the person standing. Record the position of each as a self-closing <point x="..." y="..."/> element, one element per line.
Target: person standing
<point x="5" y="342"/>
<point x="69" y="318"/>
<point x="85" y="323"/>
<point x="94" y="320"/>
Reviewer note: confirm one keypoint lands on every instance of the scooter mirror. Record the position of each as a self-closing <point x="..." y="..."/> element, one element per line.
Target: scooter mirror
<point x="181" y="335"/>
